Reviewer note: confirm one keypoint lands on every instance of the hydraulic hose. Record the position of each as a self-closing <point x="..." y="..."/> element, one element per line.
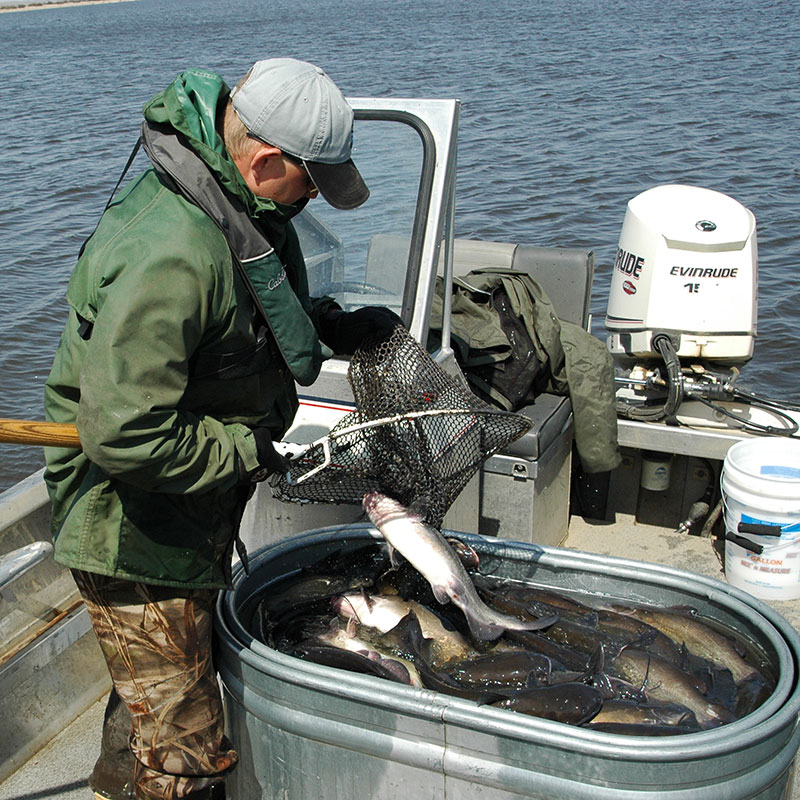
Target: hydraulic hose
<point x="749" y="425"/>
<point x="663" y="344"/>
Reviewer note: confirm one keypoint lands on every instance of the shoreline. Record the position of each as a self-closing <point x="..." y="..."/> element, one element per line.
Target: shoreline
<point x="37" y="6"/>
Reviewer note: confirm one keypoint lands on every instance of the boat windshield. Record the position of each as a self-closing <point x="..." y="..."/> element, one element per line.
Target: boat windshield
<point x="361" y="257"/>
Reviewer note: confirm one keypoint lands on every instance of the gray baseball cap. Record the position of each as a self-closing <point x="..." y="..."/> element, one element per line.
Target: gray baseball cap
<point x="295" y="106"/>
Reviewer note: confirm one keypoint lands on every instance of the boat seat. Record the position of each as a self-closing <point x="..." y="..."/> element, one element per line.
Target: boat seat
<point x="524" y="492"/>
<point x="564" y="273"/>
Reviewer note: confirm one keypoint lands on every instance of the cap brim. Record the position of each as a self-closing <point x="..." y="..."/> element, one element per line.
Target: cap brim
<point x="340" y="184"/>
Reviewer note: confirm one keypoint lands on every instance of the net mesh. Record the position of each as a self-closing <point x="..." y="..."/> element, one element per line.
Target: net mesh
<point x="417" y="434"/>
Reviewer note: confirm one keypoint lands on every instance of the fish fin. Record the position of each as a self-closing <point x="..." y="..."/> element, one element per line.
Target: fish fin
<point x="489" y="699"/>
<point x="411" y="631"/>
<point x="483" y="631"/>
<point x="597" y="661"/>
<point x="396" y="668"/>
<point x="393" y="559"/>
<point x="368" y="599"/>
<point x="531" y="681"/>
<point x="440" y="593"/>
<point x="333" y="626"/>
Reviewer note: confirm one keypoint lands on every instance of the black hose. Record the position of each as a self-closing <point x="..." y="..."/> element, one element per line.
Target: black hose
<point x="663" y="344"/>
<point x="765" y="402"/>
<point x="749" y="425"/>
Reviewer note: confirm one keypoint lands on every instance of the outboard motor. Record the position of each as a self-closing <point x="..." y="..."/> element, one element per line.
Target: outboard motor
<point x="686" y="267"/>
<point x="682" y="307"/>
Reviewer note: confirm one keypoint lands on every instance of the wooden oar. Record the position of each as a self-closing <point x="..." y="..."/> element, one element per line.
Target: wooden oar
<point x="44" y="434"/>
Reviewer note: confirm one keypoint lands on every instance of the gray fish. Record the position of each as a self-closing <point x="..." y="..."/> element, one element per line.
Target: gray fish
<point x="699" y="638"/>
<point x="631" y="713"/>
<point x="427" y="551"/>
<point x="365" y="646"/>
<point x="363" y="662"/>
<point x="639" y="729"/>
<point x="504" y="670"/>
<point x="666" y="683"/>
<point x="385" y="612"/>
<point x="573" y="703"/>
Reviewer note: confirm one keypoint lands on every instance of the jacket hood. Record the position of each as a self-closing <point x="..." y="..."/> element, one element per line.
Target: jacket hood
<point x="190" y="104"/>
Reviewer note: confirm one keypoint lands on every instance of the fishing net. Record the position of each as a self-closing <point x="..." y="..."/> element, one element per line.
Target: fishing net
<point x="417" y="434"/>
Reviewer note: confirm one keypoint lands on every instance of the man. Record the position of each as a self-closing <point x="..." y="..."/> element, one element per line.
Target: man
<point x="189" y="323"/>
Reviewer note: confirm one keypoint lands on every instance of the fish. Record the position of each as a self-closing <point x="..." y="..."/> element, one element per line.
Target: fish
<point x="632" y="713"/>
<point x="426" y="550"/>
<point x="664" y="682"/>
<point x="378" y="614"/>
<point x="639" y="729"/>
<point x="563" y="655"/>
<point x="525" y="595"/>
<point x="573" y="703"/>
<point x="701" y="639"/>
<point x="579" y="623"/>
<point x="336" y="637"/>
<point x="409" y="633"/>
<point x="503" y="670"/>
<point x="385" y="612"/>
<point x="362" y="662"/>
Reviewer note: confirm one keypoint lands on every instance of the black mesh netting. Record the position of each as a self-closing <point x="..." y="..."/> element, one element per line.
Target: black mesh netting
<point x="417" y="434"/>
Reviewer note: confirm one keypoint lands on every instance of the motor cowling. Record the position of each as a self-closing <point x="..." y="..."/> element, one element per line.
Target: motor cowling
<point x="686" y="266"/>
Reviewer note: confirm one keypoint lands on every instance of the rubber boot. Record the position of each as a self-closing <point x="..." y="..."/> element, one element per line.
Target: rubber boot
<point x="112" y="776"/>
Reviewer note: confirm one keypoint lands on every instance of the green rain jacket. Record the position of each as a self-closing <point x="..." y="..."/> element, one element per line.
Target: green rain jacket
<point x="157" y="309"/>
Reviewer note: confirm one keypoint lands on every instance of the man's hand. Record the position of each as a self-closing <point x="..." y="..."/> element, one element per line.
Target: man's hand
<point x="344" y="331"/>
<point x="269" y="459"/>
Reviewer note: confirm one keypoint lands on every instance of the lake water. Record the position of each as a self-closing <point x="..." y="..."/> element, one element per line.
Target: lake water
<point x="569" y="110"/>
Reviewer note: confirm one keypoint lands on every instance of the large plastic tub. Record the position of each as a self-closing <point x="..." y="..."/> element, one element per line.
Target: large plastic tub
<point x="308" y="732"/>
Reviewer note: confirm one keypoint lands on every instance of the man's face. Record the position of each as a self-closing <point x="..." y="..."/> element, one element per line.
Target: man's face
<point x="293" y="185"/>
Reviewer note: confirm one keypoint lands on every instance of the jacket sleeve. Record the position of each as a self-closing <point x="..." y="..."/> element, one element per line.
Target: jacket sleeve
<point x="150" y="318"/>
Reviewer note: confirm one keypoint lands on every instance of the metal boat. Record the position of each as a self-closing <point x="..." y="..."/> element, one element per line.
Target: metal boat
<point x="391" y="253"/>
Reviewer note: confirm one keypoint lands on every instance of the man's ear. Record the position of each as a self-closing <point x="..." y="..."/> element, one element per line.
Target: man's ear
<point x="263" y="161"/>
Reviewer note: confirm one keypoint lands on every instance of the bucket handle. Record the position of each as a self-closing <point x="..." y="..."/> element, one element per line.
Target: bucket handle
<point x="746" y="543"/>
<point x="760" y="530"/>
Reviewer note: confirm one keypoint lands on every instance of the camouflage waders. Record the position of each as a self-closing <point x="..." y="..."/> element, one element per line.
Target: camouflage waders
<point x="157" y="644"/>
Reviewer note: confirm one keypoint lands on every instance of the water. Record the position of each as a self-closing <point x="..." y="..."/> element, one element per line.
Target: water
<point x="569" y="110"/>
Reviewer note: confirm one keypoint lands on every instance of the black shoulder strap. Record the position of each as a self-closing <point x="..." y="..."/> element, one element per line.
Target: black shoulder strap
<point x="114" y="191"/>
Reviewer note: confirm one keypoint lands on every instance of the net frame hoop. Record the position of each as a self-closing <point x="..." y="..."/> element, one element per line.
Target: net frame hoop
<point x="325" y="441"/>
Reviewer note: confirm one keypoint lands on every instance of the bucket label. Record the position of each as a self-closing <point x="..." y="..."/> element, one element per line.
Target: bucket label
<point x="780" y="471"/>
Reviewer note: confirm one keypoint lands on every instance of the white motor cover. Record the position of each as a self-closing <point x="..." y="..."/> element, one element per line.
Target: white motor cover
<point x="687" y="265"/>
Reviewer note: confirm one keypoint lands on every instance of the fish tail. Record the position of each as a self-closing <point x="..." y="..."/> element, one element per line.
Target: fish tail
<point x="481" y="628"/>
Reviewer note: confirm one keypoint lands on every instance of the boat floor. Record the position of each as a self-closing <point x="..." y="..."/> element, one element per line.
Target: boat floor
<point x="60" y="770"/>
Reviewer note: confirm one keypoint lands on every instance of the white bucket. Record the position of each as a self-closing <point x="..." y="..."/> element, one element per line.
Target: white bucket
<point x="761" y="484"/>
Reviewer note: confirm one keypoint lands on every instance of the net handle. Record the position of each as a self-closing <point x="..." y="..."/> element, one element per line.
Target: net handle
<point x="326" y="449"/>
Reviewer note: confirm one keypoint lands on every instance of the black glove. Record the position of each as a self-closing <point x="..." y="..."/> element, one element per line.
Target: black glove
<point x="344" y="331"/>
<point x="269" y="459"/>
